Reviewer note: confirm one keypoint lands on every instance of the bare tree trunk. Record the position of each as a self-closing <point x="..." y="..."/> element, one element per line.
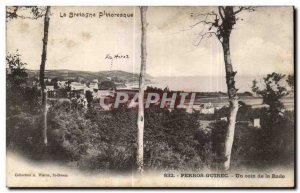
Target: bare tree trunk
<point x="45" y="120"/>
<point x="42" y="73"/>
<point x="222" y="27"/>
<point x="233" y="103"/>
<point x="140" y="121"/>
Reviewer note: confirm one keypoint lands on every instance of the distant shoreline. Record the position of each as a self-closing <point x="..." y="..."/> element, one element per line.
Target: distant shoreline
<point x="176" y="83"/>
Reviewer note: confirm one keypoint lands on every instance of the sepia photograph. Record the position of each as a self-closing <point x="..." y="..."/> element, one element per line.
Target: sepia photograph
<point x="150" y="96"/>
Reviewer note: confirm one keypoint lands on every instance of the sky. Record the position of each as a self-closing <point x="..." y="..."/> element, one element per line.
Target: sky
<point x="261" y="43"/>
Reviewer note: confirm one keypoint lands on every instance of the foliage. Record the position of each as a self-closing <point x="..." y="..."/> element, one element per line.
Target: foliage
<point x="291" y="81"/>
<point x="270" y="145"/>
<point x="89" y="97"/>
<point x="24" y="12"/>
<point x="68" y="131"/>
<point x="272" y="90"/>
<point x="107" y="85"/>
<point x="16" y="74"/>
<point x="22" y="110"/>
<point x="105" y="141"/>
<point x="22" y="130"/>
<point x="174" y="140"/>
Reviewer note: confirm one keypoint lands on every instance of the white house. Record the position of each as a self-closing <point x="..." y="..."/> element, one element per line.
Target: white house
<point x="131" y="86"/>
<point x="47" y="79"/>
<point x="77" y="86"/>
<point x="88" y="89"/>
<point x="62" y="84"/>
<point x="256" y="123"/>
<point x="94" y="86"/>
<point x="49" y="88"/>
<point x="105" y="93"/>
<point x="224" y="119"/>
<point x="207" y="108"/>
<point x="190" y="109"/>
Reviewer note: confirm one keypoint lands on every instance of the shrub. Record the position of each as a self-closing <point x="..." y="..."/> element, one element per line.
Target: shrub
<point x="108" y="158"/>
<point x="68" y="133"/>
<point x="256" y="148"/>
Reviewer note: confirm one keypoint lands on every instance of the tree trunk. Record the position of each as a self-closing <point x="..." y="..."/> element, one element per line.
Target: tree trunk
<point x="140" y="121"/>
<point x="233" y="103"/>
<point x="45" y="120"/>
<point x="42" y="73"/>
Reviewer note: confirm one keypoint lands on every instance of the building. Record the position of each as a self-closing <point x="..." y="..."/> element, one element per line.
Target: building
<point x="224" y="119"/>
<point x="105" y="93"/>
<point x="85" y="89"/>
<point x="255" y="123"/>
<point x="120" y="85"/>
<point x="76" y="86"/>
<point x="107" y="85"/>
<point x="131" y="86"/>
<point x="94" y="86"/>
<point x="190" y="109"/>
<point x="106" y="89"/>
<point x="50" y="88"/>
<point x="62" y="84"/>
<point x="47" y="79"/>
<point x="207" y="108"/>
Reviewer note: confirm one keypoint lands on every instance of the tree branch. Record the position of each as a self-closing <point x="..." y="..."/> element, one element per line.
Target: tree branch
<point x="35" y="12"/>
<point x="241" y="8"/>
<point x="208" y="35"/>
<point x="218" y="24"/>
<point x="211" y="20"/>
<point x="205" y="20"/>
<point x="221" y="8"/>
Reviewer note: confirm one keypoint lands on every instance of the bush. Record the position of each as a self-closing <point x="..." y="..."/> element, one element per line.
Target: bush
<point x="22" y="130"/>
<point x="108" y="158"/>
<point x="257" y="148"/>
<point x="68" y="133"/>
<point x="106" y="140"/>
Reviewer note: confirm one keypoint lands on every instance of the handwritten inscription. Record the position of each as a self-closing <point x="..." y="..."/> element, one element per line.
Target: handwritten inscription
<point x="117" y="56"/>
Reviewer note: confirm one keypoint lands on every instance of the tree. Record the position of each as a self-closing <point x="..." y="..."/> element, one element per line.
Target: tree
<point x="36" y="12"/>
<point x="221" y="25"/>
<point x="16" y="78"/>
<point x="276" y="122"/>
<point x="89" y="98"/>
<point x="17" y="74"/>
<point x="140" y="121"/>
<point x="272" y="90"/>
<point x="291" y="81"/>
<point x="42" y="72"/>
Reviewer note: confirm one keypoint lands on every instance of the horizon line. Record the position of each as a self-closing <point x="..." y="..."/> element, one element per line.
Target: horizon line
<point x="146" y="73"/>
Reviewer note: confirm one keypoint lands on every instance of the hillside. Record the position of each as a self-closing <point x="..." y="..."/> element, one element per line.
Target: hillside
<point x="117" y="75"/>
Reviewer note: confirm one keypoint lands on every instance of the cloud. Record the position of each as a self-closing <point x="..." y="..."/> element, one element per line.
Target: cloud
<point x="257" y="56"/>
<point x="261" y="44"/>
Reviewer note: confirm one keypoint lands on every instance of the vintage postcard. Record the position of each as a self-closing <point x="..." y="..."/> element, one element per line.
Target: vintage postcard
<point x="150" y="96"/>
